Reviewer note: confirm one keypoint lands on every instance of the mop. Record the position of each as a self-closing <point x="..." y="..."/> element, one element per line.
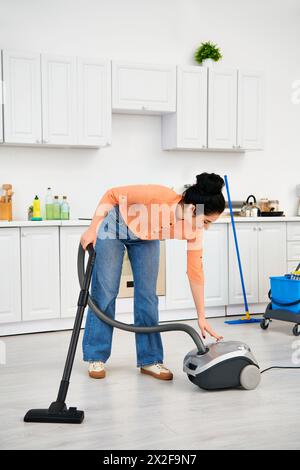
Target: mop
<point x="247" y="318"/>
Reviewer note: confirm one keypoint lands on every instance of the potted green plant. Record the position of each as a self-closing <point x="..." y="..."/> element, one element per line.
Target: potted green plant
<point x="207" y="54"/>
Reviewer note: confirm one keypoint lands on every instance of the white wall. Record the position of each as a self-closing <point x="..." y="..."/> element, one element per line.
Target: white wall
<point x="255" y="34"/>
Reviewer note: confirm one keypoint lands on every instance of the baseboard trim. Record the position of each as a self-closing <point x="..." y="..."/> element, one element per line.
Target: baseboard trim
<point x="62" y="324"/>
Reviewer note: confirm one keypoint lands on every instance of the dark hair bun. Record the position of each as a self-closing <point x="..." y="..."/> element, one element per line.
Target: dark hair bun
<point x="209" y="184"/>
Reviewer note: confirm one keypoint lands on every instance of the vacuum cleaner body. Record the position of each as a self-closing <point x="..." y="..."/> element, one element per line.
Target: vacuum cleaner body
<point x="228" y="364"/>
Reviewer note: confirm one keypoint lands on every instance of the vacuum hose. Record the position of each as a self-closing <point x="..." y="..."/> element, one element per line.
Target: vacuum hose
<point x="125" y="326"/>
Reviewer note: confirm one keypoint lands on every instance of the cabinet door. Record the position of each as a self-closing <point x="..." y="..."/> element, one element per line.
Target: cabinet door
<point x="178" y="292"/>
<point x="222" y="108"/>
<point x="247" y="238"/>
<point x="22" y="106"/>
<point x="293" y="231"/>
<point x="215" y="264"/>
<point x="40" y="272"/>
<point x="69" y="285"/>
<point x="10" y="285"/>
<point x="1" y="102"/>
<point x="59" y="100"/>
<point x="271" y="255"/>
<point x="250" y="110"/>
<point x="94" y="102"/>
<point x="143" y="88"/>
<point x="187" y="128"/>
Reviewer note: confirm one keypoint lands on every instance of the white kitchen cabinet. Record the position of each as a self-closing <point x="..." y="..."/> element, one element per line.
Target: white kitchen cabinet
<point x="187" y="128"/>
<point x="22" y="97"/>
<point x="94" y="102"/>
<point x="69" y="284"/>
<point x="1" y="102"/>
<point x="250" y="128"/>
<point x="293" y="231"/>
<point x="222" y="108"/>
<point x="215" y="264"/>
<point x="59" y="100"/>
<point x="40" y="272"/>
<point x="10" y="275"/>
<point x="143" y="88"/>
<point x="247" y="238"/>
<point x="178" y="291"/>
<point x="263" y="254"/>
<point x="272" y="257"/>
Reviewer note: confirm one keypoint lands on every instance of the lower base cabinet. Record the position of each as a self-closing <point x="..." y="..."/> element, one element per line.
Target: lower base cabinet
<point x="69" y="242"/>
<point x="40" y="272"/>
<point x="263" y="253"/>
<point x="215" y="264"/>
<point x="10" y="275"/>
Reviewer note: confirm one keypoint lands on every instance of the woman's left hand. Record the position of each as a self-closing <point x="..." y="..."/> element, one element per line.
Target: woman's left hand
<point x="205" y="327"/>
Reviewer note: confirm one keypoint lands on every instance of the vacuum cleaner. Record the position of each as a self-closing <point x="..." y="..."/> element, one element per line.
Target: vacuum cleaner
<point x="222" y="365"/>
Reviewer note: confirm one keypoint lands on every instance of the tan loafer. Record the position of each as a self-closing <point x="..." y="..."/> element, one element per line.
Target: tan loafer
<point x="97" y="370"/>
<point x="158" y="371"/>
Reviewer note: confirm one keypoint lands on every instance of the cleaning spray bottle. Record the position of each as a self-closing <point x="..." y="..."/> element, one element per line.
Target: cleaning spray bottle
<point x="36" y="215"/>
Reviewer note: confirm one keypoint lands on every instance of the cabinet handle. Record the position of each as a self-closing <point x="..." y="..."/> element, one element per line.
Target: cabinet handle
<point x="37" y="141"/>
<point x="255" y="229"/>
<point x="45" y="141"/>
<point x="23" y="235"/>
<point x="233" y="146"/>
<point x="204" y="146"/>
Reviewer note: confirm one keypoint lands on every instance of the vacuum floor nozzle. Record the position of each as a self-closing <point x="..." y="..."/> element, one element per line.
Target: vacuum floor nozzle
<point x="46" y="415"/>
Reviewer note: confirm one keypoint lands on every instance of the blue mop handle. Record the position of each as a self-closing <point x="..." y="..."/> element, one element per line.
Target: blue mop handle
<point x="236" y="244"/>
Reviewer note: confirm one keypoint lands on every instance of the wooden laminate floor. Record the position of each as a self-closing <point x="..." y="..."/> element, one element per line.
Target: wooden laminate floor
<point x="128" y="410"/>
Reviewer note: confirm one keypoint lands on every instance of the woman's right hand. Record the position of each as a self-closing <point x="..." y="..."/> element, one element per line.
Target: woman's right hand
<point x="89" y="236"/>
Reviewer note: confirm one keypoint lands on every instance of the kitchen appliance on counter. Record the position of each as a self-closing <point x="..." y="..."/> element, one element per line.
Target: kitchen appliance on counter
<point x="270" y="208"/>
<point x="244" y="209"/>
<point x="250" y="207"/>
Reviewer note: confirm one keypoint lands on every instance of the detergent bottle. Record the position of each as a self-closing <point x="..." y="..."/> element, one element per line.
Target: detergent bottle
<point x="36" y="214"/>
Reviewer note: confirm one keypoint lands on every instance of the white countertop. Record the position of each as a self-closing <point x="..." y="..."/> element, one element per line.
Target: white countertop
<point x="85" y="223"/>
<point x="42" y="223"/>
<point x="226" y="219"/>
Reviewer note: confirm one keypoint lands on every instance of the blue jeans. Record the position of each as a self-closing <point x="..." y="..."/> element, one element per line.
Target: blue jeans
<point x="113" y="237"/>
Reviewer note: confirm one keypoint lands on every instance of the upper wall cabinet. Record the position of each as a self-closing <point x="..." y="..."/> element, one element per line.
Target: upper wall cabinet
<point x="217" y="109"/>
<point x="187" y="128"/>
<point x="22" y="97"/>
<point x="94" y="102"/>
<point x="56" y="100"/>
<point x="59" y="99"/>
<point x="222" y="108"/>
<point x="250" y="131"/>
<point x="143" y="88"/>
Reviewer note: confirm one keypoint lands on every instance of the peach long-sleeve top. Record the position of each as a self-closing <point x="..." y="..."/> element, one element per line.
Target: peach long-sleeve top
<point x="150" y="213"/>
